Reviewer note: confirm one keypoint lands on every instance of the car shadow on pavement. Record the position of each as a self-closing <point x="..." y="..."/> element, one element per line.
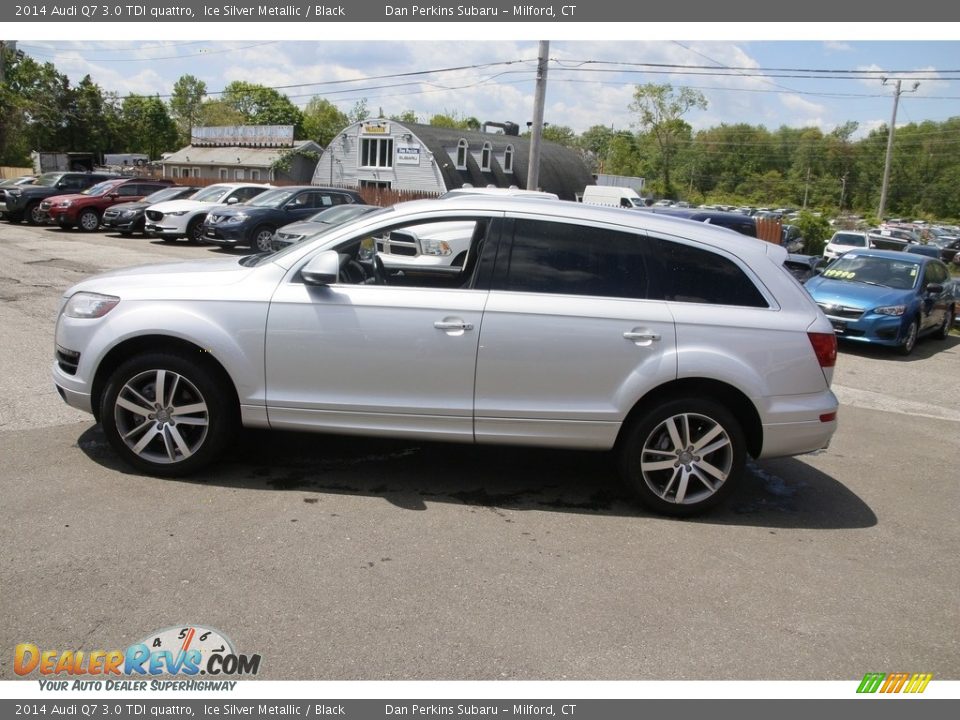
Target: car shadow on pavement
<point x="785" y="493"/>
<point x="925" y="348"/>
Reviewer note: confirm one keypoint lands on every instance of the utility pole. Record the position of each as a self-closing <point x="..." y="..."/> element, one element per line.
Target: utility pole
<point x="536" y="132"/>
<point x="889" y="158"/>
<point x="806" y="188"/>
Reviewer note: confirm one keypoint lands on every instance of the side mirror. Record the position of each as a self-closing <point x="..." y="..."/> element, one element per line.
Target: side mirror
<point x="322" y="269"/>
<point x="934" y="288"/>
<point x="232" y="201"/>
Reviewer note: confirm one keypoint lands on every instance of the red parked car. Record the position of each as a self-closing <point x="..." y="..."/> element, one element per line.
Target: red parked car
<point x="85" y="209"/>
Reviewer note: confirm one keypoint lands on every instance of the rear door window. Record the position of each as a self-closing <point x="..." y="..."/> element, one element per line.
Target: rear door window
<point x="567" y="259"/>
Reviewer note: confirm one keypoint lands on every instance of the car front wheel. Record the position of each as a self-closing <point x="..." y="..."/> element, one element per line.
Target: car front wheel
<point x="167" y="414"/>
<point x="909" y="338"/>
<point x="89" y="220"/>
<point x="683" y="457"/>
<point x="263" y="239"/>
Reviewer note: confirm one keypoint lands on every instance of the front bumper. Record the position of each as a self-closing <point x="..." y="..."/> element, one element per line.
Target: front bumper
<point x="119" y="222"/>
<point x="165" y="229"/>
<point x="871" y="327"/>
<point x="225" y="234"/>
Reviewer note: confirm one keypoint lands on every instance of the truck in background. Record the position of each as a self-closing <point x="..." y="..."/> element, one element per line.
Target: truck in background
<point x="613" y="196"/>
<point x="63" y="162"/>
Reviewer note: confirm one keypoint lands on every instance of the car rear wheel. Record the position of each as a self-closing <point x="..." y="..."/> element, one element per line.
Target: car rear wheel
<point x="167" y="414"/>
<point x="684" y="457"/>
<point x="262" y="239"/>
<point x="35" y="216"/>
<point x="944" y="329"/>
<point x="909" y="338"/>
<point x="89" y="220"/>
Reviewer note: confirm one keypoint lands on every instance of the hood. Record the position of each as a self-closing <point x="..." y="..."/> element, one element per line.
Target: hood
<point x="304" y="227"/>
<point x="72" y="197"/>
<point x="143" y="279"/>
<point x="179" y="205"/>
<point x="138" y="205"/>
<point x="251" y="210"/>
<point x="825" y="290"/>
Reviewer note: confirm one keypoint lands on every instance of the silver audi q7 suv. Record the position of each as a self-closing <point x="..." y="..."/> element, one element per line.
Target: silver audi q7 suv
<point x="682" y="347"/>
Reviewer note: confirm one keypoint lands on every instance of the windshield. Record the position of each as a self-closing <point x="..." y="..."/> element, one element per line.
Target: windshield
<point x="161" y="195"/>
<point x="270" y="198"/>
<point x="319" y="234"/>
<point x="885" y="272"/>
<point x="211" y="194"/>
<point x="99" y="189"/>
<point x="637" y="202"/>
<point x="851" y="239"/>
<point x="340" y="213"/>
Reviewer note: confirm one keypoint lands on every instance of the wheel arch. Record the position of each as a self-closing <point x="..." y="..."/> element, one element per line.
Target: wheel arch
<point x="704" y="388"/>
<point x="155" y="343"/>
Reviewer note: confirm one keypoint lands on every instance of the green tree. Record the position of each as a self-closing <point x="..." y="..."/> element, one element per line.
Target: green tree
<point x="660" y="112"/>
<point x="407" y="116"/>
<point x="262" y="105"/>
<point x="147" y="126"/>
<point x="359" y="111"/>
<point x="186" y="103"/>
<point x="322" y="120"/>
<point x="217" y="113"/>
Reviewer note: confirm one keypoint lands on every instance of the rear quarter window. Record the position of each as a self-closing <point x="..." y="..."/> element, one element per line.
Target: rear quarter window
<point x="696" y="275"/>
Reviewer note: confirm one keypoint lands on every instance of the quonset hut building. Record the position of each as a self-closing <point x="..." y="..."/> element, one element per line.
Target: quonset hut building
<point x="424" y="158"/>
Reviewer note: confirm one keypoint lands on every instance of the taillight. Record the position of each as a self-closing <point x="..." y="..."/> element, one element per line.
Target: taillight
<point x="825" y="347"/>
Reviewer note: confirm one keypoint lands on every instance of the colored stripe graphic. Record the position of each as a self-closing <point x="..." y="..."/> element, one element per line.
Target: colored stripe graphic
<point x="894" y="682"/>
<point x="871" y="682"/>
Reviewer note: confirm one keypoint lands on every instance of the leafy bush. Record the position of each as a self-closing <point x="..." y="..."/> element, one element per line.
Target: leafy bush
<point x="815" y="231"/>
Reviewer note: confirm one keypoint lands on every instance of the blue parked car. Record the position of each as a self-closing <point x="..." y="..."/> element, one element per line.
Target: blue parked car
<point x="885" y="297"/>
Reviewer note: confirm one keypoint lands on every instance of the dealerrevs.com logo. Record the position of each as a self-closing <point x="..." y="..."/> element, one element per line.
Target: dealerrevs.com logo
<point x="187" y="651"/>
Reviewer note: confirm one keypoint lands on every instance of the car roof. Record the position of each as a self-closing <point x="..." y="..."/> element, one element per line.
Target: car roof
<point x="888" y="254"/>
<point x="715" y="235"/>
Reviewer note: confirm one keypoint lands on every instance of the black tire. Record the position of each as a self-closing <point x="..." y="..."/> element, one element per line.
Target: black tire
<point x="64" y="225"/>
<point x="944" y="329"/>
<point x="683" y="480"/>
<point x="173" y="443"/>
<point x="33" y="215"/>
<point x="14" y="218"/>
<point x="195" y="230"/>
<point x="910" y="341"/>
<point x="261" y="239"/>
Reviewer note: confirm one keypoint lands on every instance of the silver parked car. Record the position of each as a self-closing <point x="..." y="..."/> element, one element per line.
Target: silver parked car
<point x="681" y="346"/>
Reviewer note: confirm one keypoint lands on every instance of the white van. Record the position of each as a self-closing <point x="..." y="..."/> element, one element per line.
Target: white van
<point x="613" y="196"/>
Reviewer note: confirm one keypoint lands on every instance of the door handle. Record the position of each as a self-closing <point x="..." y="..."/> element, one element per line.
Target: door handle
<point x="642" y="337"/>
<point x="453" y="325"/>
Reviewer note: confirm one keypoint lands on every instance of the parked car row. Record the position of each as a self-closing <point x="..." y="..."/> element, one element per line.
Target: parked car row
<point x="942" y="246"/>
<point x="228" y="214"/>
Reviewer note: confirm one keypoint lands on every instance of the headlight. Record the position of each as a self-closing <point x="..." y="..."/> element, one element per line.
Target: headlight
<point x="14" y="192"/>
<point x="65" y="203"/>
<point x="892" y="310"/>
<point x="89" y="305"/>
<point x="434" y="247"/>
<point x="177" y="212"/>
<point x="128" y="213"/>
<point x="234" y="219"/>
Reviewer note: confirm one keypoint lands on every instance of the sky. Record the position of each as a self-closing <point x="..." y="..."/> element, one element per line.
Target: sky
<point x="589" y="82"/>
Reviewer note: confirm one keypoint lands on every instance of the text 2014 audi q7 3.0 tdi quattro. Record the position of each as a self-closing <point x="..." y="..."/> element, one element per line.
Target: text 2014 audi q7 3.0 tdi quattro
<point x="683" y="347"/>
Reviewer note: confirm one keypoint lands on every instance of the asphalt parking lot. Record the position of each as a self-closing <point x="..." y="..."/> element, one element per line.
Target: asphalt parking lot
<point x="339" y="559"/>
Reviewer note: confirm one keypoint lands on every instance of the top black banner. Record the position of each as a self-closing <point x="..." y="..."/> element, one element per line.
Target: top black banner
<point x="736" y="11"/>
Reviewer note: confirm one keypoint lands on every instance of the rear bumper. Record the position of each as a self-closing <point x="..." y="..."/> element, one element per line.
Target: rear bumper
<point x="798" y="424"/>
